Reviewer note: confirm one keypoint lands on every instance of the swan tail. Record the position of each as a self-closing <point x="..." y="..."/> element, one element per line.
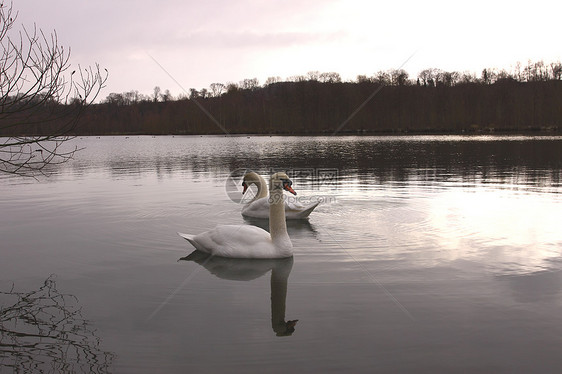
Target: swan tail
<point x="190" y="238"/>
<point x="305" y="213"/>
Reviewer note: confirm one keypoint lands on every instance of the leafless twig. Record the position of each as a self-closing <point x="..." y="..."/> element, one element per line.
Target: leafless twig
<point x="44" y="331"/>
<point x="40" y="99"/>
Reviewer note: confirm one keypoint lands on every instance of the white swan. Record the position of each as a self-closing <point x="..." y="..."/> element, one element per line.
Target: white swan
<point x="246" y="241"/>
<point x="258" y="207"/>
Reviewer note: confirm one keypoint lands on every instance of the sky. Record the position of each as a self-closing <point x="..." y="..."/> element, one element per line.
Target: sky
<point x="183" y="44"/>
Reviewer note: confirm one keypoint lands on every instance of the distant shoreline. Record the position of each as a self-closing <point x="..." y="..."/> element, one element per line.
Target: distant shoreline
<point x="321" y="109"/>
<point x="530" y="132"/>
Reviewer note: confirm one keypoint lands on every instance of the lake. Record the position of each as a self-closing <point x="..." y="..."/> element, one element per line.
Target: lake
<point x="427" y="254"/>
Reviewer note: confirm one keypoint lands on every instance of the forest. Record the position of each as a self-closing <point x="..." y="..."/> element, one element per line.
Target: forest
<point x="527" y="98"/>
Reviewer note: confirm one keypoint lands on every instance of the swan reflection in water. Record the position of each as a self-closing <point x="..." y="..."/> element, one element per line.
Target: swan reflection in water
<point x="250" y="269"/>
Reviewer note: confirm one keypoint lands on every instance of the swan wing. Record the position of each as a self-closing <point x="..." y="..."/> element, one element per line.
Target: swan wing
<point x="257" y="209"/>
<point x="293" y="210"/>
<point x="298" y="211"/>
<point x="235" y="241"/>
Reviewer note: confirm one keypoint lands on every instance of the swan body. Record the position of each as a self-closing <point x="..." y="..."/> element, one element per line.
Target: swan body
<point x="258" y="207"/>
<point x="238" y="241"/>
<point x="246" y="241"/>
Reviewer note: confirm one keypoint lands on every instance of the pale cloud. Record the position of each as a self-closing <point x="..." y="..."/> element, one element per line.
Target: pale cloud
<point x="200" y="42"/>
<point x="256" y="39"/>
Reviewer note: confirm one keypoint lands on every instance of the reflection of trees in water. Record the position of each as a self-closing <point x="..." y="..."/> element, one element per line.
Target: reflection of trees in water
<point x="504" y="160"/>
<point x="44" y="331"/>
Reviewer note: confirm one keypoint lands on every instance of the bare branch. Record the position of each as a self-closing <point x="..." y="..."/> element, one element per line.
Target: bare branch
<point x="40" y="101"/>
<point x="45" y="329"/>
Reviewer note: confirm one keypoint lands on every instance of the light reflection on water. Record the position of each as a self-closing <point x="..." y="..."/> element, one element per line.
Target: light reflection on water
<point x="461" y="232"/>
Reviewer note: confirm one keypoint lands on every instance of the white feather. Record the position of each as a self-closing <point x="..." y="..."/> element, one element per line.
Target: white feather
<point x="259" y="206"/>
<point x="246" y="241"/>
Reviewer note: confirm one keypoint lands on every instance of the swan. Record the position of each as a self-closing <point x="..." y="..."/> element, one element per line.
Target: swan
<point x="245" y="241"/>
<point x="258" y="207"/>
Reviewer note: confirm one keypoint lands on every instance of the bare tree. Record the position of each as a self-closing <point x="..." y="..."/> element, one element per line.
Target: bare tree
<point x="399" y="77"/>
<point x="167" y="96"/>
<point x="272" y="80"/>
<point x="231" y="87"/>
<point x="468" y="77"/>
<point x="217" y="89"/>
<point x="361" y="78"/>
<point x="249" y="84"/>
<point x="297" y="78"/>
<point x="193" y="94"/>
<point x="382" y="77"/>
<point x="330" y="77"/>
<point x="556" y="68"/>
<point x="486" y="76"/>
<point x="430" y="77"/>
<point x="156" y="93"/>
<point x="503" y="75"/>
<point x="450" y="78"/>
<point x="41" y="98"/>
<point x="132" y="97"/>
<point x="116" y="99"/>
<point x="313" y="75"/>
<point x="517" y="72"/>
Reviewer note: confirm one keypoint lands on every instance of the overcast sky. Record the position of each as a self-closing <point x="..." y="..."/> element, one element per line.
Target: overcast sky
<point x="206" y="41"/>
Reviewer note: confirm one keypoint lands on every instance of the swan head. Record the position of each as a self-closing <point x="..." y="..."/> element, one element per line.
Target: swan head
<point x="249" y="179"/>
<point x="288" y="329"/>
<point x="281" y="181"/>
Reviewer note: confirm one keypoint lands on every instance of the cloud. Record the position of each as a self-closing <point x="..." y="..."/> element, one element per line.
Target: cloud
<point x="225" y="40"/>
<point x="254" y="39"/>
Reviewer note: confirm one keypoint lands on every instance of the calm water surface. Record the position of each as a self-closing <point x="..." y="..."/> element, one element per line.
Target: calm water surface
<point x="427" y="254"/>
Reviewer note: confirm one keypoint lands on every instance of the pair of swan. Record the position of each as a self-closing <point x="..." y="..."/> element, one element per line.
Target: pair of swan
<point x="258" y="207"/>
<point x="246" y="241"/>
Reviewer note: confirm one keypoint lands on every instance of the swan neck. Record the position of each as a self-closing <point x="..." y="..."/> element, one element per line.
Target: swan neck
<point x="277" y="223"/>
<point x="262" y="188"/>
<point x="260" y="183"/>
<point x="279" y="277"/>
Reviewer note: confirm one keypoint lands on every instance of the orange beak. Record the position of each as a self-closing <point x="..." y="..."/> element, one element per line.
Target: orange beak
<point x="288" y="187"/>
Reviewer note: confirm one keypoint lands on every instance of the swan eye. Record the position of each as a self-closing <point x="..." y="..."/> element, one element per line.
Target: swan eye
<point x="287" y="182"/>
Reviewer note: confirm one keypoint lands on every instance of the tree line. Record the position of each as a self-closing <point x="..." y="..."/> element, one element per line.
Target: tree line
<point x="45" y="101"/>
<point x="531" y="72"/>
<point x="526" y="98"/>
